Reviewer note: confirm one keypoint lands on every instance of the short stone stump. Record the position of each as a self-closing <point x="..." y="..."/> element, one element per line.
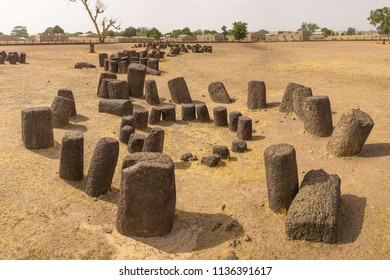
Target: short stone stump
<point x="68" y="93"/>
<point x="118" y="107"/>
<point x="287" y="105"/>
<point x="141" y="118"/>
<point x="136" y="74"/>
<point x="37" y="128"/>
<point x="299" y="95"/>
<point x="178" y="90"/>
<point x="256" y="95"/>
<point x="317" y="116"/>
<point x="154" y="142"/>
<point x="218" y="93"/>
<point x="202" y="113"/>
<point x="61" y="109"/>
<point x="220" y="116"/>
<point x="169" y="113"/>
<point x="239" y="146"/>
<point x="151" y="93"/>
<point x="155" y="115"/>
<point x="188" y="112"/>
<point x="118" y="90"/>
<point x="244" y="128"/>
<point x="233" y="120"/>
<point x="72" y="156"/>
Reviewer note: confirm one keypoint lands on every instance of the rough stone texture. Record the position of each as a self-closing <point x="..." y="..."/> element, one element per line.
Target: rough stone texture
<point x="281" y="174"/>
<point x="188" y="112"/>
<point x="299" y="95"/>
<point x="155" y="115"/>
<point x="118" y="90"/>
<point x="239" y="146"/>
<point x="151" y="93"/>
<point x="113" y="66"/>
<point x="141" y="119"/>
<point x="3" y="54"/>
<point x="152" y="63"/>
<point x="256" y="95"/>
<point x="104" y="76"/>
<point x="128" y="120"/>
<point x="136" y="74"/>
<point x="202" y="113"/>
<point x="67" y="93"/>
<point x="22" y="58"/>
<point x="152" y="71"/>
<point x="147" y="199"/>
<point x="218" y="93"/>
<point x="103" y="89"/>
<point x="102" y="167"/>
<point x="72" y="156"/>
<point x="122" y="67"/>
<point x="154" y="142"/>
<point x="313" y="214"/>
<point x="188" y="157"/>
<point x="317" y="116"/>
<point x="12" y="59"/>
<point x="220" y="116"/>
<point x="125" y="133"/>
<point x="350" y="133"/>
<point x="179" y="91"/>
<point x="136" y="143"/>
<point x="119" y="107"/>
<point x="287" y="105"/>
<point x="2" y="59"/>
<point x="106" y="61"/>
<point x="37" y="128"/>
<point x="233" y="120"/>
<point x="61" y="110"/>
<point x="244" y="128"/>
<point x="222" y="151"/>
<point x="102" y="58"/>
<point x="211" y="160"/>
<point x="169" y="113"/>
<point x="81" y="65"/>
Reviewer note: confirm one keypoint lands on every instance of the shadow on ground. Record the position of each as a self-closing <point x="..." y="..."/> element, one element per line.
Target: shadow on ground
<point x="376" y="150"/>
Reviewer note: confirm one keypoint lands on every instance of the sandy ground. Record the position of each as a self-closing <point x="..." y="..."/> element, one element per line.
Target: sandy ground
<point x="44" y="217"/>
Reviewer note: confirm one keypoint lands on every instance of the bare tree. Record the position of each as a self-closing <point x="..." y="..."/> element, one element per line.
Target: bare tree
<point x="94" y="10"/>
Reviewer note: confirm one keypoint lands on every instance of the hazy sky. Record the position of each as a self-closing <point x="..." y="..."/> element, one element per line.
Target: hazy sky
<point x="166" y="15"/>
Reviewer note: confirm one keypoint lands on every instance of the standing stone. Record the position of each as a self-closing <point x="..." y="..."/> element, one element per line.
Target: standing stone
<point x="119" y="107"/>
<point x="169" y="113"/>
<point x="102" y="167"/>
<point x="106" y="61"/>
<point x="61" y="110"/>
<point x="128" y="120"/>
<point x="218" y="93"/>
<point x="287" y="105"/>
<point x="136" y="143"/>
<point x="233" y="120"/>
<point x="220" y="116"/>
<point x="12" y="59"/>
<point x="118" y="90"/>
<point x="202" y="113"/>
<point x="152" y="63"/>
<point x="125" y="134"/>
<point x="151" y="93"/>
<point x="122" y="67"/>
<point x="155" y="115"/>
<point x="154" y="142"/>
<point x="188" y="112"/>
<point x="317" y="116"/>
<point x="147" y="199"/>
<point x="22" y="58"/>
<point x="103" y="90"/>
<point x="281" y="174"/>
<point x="244" y="128"/>
<point x="104" y="76"/>
<point x="92" y="48"/>
<point x="179" y="91"/>
<point x="37" y="128"/>
<point x="113" y="66"/>
<point x="350" y="134"/>
<point x="72" y="156"/>
<point x="314" y="212"/>
<point x="2" y="59"/>
<point x="67" y="93"/>
<point x="3" y="54"/>
<point x="102" y="57"/>
<point x="299" y="95"/>
<point x="136" y="74"/>
<point x="222" y="151"/>
<point x="211" y="160"/>
<point x="141" y="119"/>
<point x="239" y="146"/>
<point x="256" y="95"/>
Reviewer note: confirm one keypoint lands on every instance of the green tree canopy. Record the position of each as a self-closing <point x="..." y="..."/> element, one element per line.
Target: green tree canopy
<point x="154" y="33"/>
<point x="239" y="30"/>
<point x="225" y="32"/>
<point x="380" y="18"/>
<point x="129" y="32"/>
<point x="55" y="29"/>
<point x="327" y="32"/>
<point x="176" y="32"/>
<point x="351" y="31"/>
<point x="309" y="26"/>
<point x="212" y="32"/>
<point x="110" y="33"/>
<point x="20" y="31"/>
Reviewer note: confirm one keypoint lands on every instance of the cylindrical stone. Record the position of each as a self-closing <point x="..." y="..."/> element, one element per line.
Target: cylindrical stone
<point x="37" y="128"/>
<point x="350" y="134"/>
<point x="106" y="61"/>
<point x="2" y="59"/>
<point x="104" y="76"/>
<point x="154" y="142"/>
<point x="103" y="89"/>
<point x="125" y="133"/>
<point x="22" y="58"/>
<point x="244" y="128"/>
<point x="218" y="93"/>
<point x="113" y="66"/>
<point x="317" y="116"/>
<point x="136" y="74"/>
<point x="169" y="113"/>
<point x="202" y="113"/>
<point x="178" y="90"/>
<point x="128" y="120"/>
<point x="92" y="48"/>
<point x="151" y="93"/>
<point x="12" y="59"/>
<point x="118" y="90"/>
<point x="72" y="156"/>
<point x="102" y="167"/>
<point x="61" y="110"/>
<point x="239" y="146"/>
<point x="299" y="95"/>
<point x="281" y="174"/>
<point x="122" y="67"/>
<point x="155" y="115"/>
<point x="152" y="63"/>
<point x="220" y="116"/>
<point x="256" y="95"/>
<point x="188" y="112"/>
<point x="68" y="93"/>
<point x="287" y="105"/>
<point x="119" y="107"/>
<point x="147" y="199"/>
<point x="136" y="143"/>
<point x="233" y="120"/>
<point x="141" y="118"/>
<point x="222" y="151"/>
<point x="102" y="57"/>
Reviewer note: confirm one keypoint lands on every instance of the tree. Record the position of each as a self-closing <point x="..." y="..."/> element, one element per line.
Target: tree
<point x="309" y="26"/>
<point x="239" y="30"/>
<point x="212" y="32"/>
<point x="19" y="31"/>
<point x="380" y="18"/>
<point x="129" y="32"/>
<point x="327" y="32"/>
<point x="75" y="34"/>
<point x="1" y="33"/>
<point x="225" y="32"/>
<point x="55" y="29"/>
<point x="351" y="31"/>
<point x="154" y="33"/>
<point x="94" y="11"/>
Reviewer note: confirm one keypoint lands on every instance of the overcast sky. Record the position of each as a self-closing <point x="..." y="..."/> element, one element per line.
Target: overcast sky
<point x="166" y="15"/>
